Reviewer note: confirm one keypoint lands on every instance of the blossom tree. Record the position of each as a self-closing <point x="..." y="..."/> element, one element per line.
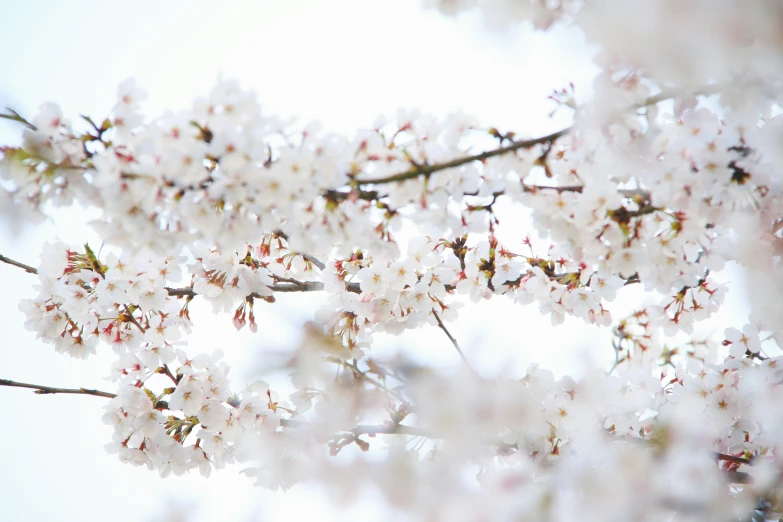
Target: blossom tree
<point x="667" y="173"/>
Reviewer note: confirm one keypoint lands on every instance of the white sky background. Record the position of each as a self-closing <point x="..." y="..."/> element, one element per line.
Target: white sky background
<point x="341" y="62"/>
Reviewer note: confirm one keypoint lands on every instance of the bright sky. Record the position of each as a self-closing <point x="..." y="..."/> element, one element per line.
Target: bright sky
<point x="342" y="62"/>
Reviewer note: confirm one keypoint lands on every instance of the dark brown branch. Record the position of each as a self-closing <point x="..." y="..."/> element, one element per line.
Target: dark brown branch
<point x="339" y="195"/>
<point x="46" y="390"/>
<point x="632" y="279"/>
<point x="426" y="170"/>
<point x="180" y="292"/>
<point x="132" y="319"/>
<point x="454" y="342"/>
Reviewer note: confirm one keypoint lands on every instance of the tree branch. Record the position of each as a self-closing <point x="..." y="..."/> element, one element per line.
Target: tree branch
<point x="46" y="390"/>
<point x="288" y="286"/>
<point x="15" y="116"/>
<point x="10" y="261"/>
<point x="426" y="170"/>
<point x="314" y="260"/>
<point x="291" y="285"/>
<point x="298" y="286"/>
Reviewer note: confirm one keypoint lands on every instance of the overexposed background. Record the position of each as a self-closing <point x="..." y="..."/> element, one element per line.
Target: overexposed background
<point x="342" y="63"/>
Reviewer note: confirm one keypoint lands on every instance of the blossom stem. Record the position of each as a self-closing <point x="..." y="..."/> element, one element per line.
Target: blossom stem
<point x="45" y="390"/>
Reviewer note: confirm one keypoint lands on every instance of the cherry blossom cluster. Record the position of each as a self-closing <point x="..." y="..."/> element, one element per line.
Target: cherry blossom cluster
<point x="394" y="295"/>
<point x="120" y="300"/>
<point x="637" y="217"/>
<point x="670" y="443"/>
<point x="506" y="429"/>
<point x="200" y="406"/>
<point x="569" y="438"/>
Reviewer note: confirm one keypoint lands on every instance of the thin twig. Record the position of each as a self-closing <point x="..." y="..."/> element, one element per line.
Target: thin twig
<point x="10" y="261"/>
<point x="15" y="116"/>
<point x="454" y="342"/>
<point x="617" y="360"/>
<point x="363" y="376"/>
<point x="46" y="390"/>
<point x="133" y="320"/>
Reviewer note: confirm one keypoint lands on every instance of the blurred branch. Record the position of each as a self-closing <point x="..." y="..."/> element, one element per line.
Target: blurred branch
<point x="361" y="375"/>
<point x="14" y="116"/>
<point x="735" y="477"/>
<point x="454" y="342"/>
